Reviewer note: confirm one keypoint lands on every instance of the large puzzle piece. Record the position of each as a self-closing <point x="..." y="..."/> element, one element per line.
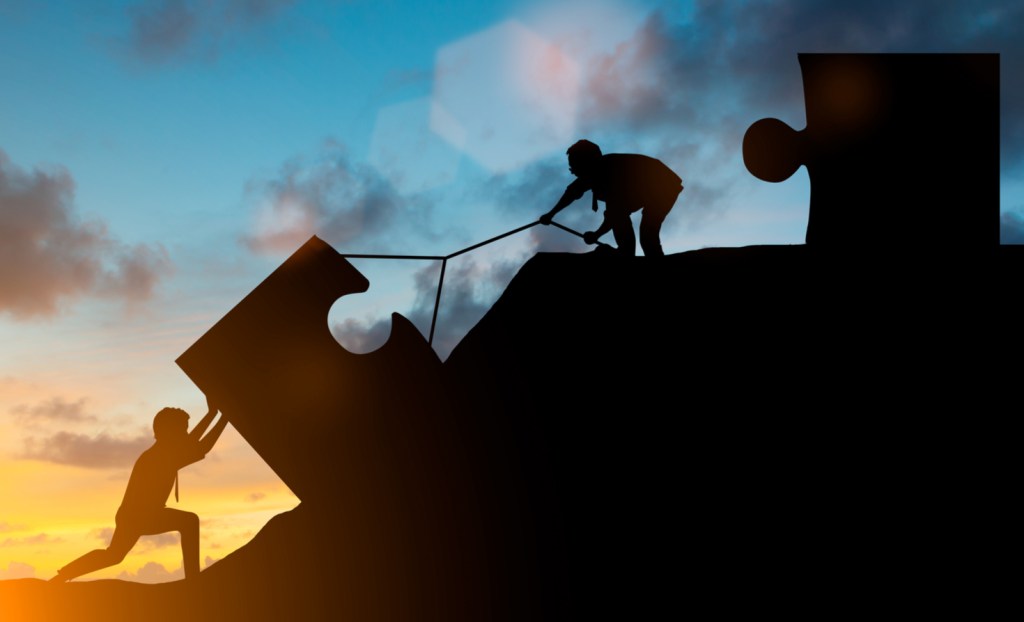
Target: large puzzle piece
<point x="902" y="150"/>
<point x="394" y="521"/>
<point x="316" y="413"/>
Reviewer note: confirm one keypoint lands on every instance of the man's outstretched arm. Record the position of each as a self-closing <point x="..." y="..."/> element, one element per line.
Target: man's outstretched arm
<point x="574" y="191"/>
<point x="208" y="441"/>
<point x="197" y="432"/>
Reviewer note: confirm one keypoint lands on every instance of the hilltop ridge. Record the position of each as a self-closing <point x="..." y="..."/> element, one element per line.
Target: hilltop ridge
<point x="640" y="435"/>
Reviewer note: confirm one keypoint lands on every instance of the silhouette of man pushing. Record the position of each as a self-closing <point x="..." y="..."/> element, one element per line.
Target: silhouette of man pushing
<point x="143" y="510"/>
<point x="626" y="182"/>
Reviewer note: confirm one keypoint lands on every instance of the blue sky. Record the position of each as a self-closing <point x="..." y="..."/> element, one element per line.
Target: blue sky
<point x="158" y="158"/>
<point x="181" y="122"/>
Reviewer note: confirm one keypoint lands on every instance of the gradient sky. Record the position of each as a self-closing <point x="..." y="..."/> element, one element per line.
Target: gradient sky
<point x="159" y="158"/>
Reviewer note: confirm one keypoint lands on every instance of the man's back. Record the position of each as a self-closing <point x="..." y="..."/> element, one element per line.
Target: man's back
<point x="632" y="180"/>
<point x="153" y="476"/>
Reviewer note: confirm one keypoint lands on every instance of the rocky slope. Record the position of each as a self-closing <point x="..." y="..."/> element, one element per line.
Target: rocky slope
<point x="736" y="429"/>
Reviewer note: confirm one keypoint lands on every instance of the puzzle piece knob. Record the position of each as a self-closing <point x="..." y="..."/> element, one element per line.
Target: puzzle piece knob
<point x="772" y="150"/>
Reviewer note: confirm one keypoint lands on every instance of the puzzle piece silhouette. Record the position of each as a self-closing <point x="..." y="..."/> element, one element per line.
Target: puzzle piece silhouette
<point x="316" y="413"/>
<point x="902" y="150"/>
<point x="394" y="511"/>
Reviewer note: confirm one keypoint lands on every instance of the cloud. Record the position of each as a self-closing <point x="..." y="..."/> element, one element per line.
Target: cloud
<point x="347" y="203"/>
<point x="159" y="30"/>
<point x="138" y="269"/>
<point x="94" y="452"/>
<point x="165" y="30"/>
<point x="147" y="543"/>
<point x="9" y="527"/>
<point x="361" y="336"/>
<point x="254" y="497"/>
<point x="504" y="95"/>
<point x="152" y="572"/>
<point x="39" y="538"/>
<point x="56" y="409"/>
<point x="532" y="190"/>
<point x="1011" y="229"/>
<point x="470" y="288"/>
<point x="160" y="540"/>
<point x="48" y="254"/>
<point x="105" y="534"/>
<point x="17" y="570"/>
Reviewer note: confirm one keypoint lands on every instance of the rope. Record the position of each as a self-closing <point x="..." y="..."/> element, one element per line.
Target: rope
<point x="444" y="261"/>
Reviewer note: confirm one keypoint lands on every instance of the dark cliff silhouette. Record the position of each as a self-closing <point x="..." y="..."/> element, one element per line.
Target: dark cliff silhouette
<point x="745" y="429"/>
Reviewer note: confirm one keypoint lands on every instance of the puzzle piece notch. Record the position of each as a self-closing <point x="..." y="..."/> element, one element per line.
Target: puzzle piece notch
<point x="902" y="150"/>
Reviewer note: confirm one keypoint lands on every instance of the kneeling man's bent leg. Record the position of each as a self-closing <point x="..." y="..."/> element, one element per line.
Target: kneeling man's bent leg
<point x="185" y="523"/>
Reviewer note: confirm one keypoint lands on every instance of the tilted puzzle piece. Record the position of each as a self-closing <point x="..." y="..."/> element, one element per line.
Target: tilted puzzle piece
<point x="389" y="524"/>
<point x="319" y="415"/>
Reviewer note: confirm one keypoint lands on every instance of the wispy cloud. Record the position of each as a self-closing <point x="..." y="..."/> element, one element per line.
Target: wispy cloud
<point x="146" y="543"/>
<point x="162" y="31"/>
<point x="94" y="452"/>
<point x="152" y="572"/>
<point x="255" y="496"/>
<point x="1011" y="228"/>
<point x="17" y="570"/>
<point x="39" y="538"/>
<point x="329" y="195"/>
<point x="56" y="409"/>
<point x="49" y="254"/>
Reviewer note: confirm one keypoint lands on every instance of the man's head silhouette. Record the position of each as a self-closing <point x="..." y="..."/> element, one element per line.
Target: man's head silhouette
<point x="170" y="424"/>
<point x="583" y="155"/>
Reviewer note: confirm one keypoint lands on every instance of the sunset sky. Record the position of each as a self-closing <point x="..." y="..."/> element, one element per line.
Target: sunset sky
<point x="158" y="159"/>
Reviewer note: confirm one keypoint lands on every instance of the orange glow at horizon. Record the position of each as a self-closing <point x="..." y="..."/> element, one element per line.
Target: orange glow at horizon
<point x="52" y="513"/>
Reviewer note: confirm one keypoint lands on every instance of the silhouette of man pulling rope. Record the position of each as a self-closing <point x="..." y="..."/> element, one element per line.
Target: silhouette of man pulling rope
<point x="626" y="182"/>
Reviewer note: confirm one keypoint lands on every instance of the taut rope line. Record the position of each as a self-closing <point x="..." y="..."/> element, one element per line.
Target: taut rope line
<point x="444" y="261"/>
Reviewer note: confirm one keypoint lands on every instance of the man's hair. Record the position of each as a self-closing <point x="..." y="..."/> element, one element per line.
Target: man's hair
<point x="584" y="150"/>
<point x="167" y="419"/>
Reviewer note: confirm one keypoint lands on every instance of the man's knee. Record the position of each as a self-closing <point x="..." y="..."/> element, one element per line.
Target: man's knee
<point x="190" y="521"/>
<point x="116" y="554"/>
